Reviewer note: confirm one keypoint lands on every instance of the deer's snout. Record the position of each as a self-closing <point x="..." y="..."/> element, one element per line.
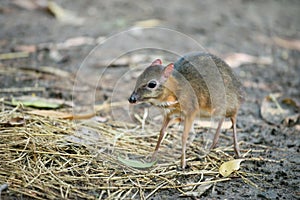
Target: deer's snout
<point x="133" y="98"/>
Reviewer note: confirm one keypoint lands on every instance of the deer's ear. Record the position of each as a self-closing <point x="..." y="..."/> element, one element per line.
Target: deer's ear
<point x="168" y="70"/>
<point x="156" y="62"/>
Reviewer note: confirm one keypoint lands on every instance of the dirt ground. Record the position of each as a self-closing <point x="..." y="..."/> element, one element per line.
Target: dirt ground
<point x="263" y="29"/>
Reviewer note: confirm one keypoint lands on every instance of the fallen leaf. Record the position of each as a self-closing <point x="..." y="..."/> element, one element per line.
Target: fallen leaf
<point x="287" y="43"/>
<point x="148" y="23"/>
<point x="61" y="115"/>
<point x="276" y="110"/>
<point x="64" y="15"/>
<point x="136" y="163"/>
<point x="51" y="113"/>
<point x="75" y="42"/>
<point x="293" y="44"/>
<point x="230" y="166"/>
<point x="199" y="190"/>
<point x="291" y="120"/>
<point x="292" y="102"/>
<point x="238" y="59"/>
<point x="37" y="102"/>
<point x="15" y="121"/>
<point x="26" y="48"/>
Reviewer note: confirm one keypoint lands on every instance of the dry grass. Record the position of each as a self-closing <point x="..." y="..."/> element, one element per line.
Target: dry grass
<point x="50" y="158"/>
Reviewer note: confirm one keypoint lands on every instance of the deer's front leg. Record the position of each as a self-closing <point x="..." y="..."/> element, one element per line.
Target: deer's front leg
<point x="165" y="124"/>
<point x="188" y="122"/>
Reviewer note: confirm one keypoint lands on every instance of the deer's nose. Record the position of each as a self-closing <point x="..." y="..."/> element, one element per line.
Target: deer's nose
<point x="133" y="98"/>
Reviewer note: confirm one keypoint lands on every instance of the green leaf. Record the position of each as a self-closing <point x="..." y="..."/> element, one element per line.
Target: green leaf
<point x="36" y="102"/>
<point x="136" y="163"/>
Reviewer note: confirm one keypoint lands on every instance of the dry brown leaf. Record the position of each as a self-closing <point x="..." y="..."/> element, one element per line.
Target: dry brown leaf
<point x="52" y="113"/>
<point x="288" y="44"/>
<point x="238" y="59"/>
<point x="276" y="110"/>
<point x="75" y="42"/>
<point x="61" y="115"/>
<point x="15" y="121"/>
<point x="26" y="48"/>
<point x="293" y="44"/>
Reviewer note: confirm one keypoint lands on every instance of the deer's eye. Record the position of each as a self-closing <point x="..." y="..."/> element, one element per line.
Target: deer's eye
<point x="152" y="84"/>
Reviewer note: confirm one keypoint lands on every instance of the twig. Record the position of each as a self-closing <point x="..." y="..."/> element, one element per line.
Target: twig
<point x="156" y="189"/>
<point x="15" y="55"/>
<point x="23" y="89"/>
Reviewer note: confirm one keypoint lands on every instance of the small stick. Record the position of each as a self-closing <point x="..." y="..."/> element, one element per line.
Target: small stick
<point x="24" y="89"/>
<point x="9" y="56"/>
